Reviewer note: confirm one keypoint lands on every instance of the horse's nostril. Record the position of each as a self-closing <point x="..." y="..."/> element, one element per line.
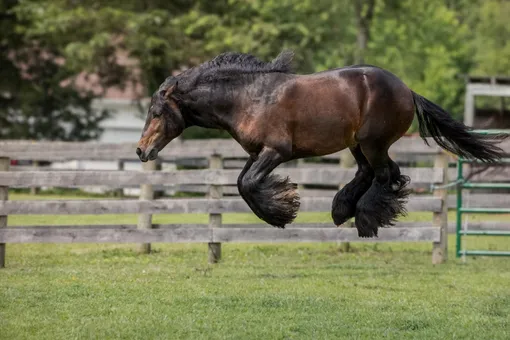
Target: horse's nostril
<point x="138" y="151"/>
<point x="153" y="154"/>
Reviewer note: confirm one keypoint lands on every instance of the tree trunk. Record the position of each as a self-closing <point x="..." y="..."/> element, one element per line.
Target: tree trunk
<point x="364" y="13"/>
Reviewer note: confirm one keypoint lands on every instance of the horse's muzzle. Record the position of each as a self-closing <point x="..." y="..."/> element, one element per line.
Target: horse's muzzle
<point x="145" y="156"/>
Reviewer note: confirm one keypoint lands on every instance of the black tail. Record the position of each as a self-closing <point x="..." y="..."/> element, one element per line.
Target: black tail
<point x="453" y="135"/>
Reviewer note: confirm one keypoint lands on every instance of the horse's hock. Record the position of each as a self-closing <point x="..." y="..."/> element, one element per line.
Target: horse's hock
<point x="318" y="183"/>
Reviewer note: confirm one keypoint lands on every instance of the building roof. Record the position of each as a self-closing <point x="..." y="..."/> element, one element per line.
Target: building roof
<point x="494" y="80"/>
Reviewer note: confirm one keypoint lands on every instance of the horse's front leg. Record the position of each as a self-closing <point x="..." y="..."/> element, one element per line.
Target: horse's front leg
<point x="272" y="198"/>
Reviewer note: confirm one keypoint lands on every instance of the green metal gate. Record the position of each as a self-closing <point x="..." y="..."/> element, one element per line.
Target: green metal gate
<point x="462" y="183"/>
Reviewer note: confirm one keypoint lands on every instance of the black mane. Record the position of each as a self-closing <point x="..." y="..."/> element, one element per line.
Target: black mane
<point x="231" y="65"/>
<point x="242" y="63"/>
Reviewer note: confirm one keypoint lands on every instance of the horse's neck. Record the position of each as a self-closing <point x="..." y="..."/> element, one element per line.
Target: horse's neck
<point x="208" y="117"/>
<point x="224" y="108"/>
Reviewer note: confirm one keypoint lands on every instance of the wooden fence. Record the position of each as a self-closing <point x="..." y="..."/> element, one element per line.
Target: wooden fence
<point x="215" y="204"/>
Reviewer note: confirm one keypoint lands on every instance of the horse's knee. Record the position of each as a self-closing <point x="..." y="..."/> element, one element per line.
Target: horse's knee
<point x="246" y="184"/>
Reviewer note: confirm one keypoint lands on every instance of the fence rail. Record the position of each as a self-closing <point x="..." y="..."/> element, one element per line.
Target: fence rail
<point x="216" y="182"/>
<point x="209" y="177"/>
<point x="177" y="149"/>
<point x="175" y="206"/>
<point x="207" y="235"/>
<point x="53" y="151"/>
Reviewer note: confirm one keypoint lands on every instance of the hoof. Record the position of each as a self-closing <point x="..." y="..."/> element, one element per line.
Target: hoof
<point x="368" y="233"/>
<point x="342" y="212"/>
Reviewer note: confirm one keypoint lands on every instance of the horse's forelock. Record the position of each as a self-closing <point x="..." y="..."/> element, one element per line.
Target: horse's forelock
<point x="169" y="81"/>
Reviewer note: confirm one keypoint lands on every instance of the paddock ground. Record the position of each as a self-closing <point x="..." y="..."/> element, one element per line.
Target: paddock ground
<point x="258" y="291"/>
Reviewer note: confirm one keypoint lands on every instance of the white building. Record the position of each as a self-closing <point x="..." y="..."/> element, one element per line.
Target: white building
<point x="126" y="122"/>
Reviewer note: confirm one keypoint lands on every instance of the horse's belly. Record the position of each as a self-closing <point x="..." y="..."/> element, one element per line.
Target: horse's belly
<point x="326" y="115"/>
<point x="323" y="136"/>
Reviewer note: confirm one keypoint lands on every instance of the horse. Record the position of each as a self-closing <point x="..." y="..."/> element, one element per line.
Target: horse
<point x="277" y="115"/>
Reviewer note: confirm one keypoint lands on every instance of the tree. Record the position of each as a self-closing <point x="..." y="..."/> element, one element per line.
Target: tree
<point x="491" y="43"/>
<point x="34" y="102"/>
<point x="364" y="10"/>
<point x="90" y="35"/>
<point x="426" y="43"/>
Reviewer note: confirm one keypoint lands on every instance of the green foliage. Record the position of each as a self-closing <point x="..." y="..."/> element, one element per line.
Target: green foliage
<point x="37" y="101"/>
<point x="318" y="31"/>
<point x="422" y="42"/>
<point x="491" y="42"/>
<point x="426" y="43"/>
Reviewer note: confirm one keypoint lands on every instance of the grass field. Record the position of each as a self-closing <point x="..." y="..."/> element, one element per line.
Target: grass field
<point x="265" y="291"/>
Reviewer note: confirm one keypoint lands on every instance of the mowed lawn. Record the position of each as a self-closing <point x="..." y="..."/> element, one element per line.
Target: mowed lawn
<point x="258" y="291"/>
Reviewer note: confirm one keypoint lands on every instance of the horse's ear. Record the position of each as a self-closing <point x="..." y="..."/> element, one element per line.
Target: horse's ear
<point x="170" y="90"/>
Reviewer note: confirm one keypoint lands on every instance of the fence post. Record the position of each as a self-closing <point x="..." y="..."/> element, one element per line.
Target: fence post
<point x="440" y="219"/>
<point x="300" y="164"/>
<point x="160" y="192"/>
<point x="34" y="190"/>
<point x="215" y="192"/>
<point x="4" y="195"/>
<point x="119" y="192"/>
<point x="146" y="193"/>
<point x="346" y="161"/>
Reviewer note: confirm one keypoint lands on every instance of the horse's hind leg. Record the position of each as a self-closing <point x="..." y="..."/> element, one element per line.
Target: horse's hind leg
<point x="397" y="180"/>
<point x="344" y="203"/>
<point x="385" y="199"/>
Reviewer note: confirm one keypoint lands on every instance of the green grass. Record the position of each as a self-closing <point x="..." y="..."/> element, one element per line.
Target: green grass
<point x="258" y="291"/>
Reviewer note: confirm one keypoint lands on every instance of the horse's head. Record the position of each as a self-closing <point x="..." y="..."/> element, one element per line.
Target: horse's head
<point x="164" y="122"/>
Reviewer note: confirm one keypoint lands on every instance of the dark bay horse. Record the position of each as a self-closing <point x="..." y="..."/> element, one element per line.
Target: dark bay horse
<point x="277" y="116"/>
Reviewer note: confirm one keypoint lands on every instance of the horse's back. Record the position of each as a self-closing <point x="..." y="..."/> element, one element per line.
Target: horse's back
<point x="358" y="71"/>
<point x="358" y="101"/>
